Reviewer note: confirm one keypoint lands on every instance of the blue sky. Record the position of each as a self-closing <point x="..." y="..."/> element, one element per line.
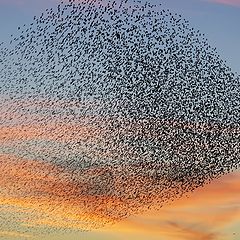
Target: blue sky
<point x="218" y="19"/>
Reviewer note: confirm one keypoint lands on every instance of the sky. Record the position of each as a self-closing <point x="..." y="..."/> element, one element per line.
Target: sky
<point x="212" y="212"/>
<point x="218" y="19"/>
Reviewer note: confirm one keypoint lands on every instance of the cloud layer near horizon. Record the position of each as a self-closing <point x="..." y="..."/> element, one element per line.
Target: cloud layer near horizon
<point x="210" y="213"/>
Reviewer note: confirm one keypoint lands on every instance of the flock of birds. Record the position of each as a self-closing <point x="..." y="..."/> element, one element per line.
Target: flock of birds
<point x="131" y="104"/>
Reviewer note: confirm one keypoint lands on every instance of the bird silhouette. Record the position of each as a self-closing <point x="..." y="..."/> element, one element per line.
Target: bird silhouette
<point x="128" y="104"/>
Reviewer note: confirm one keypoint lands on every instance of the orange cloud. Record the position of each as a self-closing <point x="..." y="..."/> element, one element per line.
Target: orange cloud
<point x="206" y="214"/>
<point x="89" y="198"/>
<point x="59" y="198"/>
<point x="53" y="194"/>
<point x="49" y="194"/>
<point x="16" y="235"/>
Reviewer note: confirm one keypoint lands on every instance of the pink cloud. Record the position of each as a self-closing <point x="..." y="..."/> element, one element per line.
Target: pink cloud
<point x="235" y="3"/>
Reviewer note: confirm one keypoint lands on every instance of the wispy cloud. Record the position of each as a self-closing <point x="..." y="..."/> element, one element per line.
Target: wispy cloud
<point x="207" y="214"/>
<point x="53" y="192"/>
<point x="14" y="234"/>
<point x="235" y="3"/>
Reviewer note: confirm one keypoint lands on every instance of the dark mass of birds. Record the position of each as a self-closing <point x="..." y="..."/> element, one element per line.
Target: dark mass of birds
<point x="125" y="100"/>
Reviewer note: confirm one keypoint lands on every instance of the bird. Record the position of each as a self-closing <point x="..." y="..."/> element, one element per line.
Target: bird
<point x="124" y="100"/>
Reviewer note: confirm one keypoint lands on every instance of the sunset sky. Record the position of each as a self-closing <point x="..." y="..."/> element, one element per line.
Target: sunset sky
<point x="210" y="213"/>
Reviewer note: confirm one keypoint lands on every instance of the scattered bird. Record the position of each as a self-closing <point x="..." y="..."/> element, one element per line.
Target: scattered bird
<point x="126" y="100"/>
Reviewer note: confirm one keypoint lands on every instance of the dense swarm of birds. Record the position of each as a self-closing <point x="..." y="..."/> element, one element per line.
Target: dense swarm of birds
<point x="126" y="103"/>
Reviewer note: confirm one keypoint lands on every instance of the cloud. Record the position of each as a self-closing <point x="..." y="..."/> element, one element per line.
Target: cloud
<point x="52" y="192"/>
<point x="45" y="193"/>
<point x="16" y="235"/>
<point x="207" y="214"/>
<point x="235" y="3"/>
<point x="189" y="232"/>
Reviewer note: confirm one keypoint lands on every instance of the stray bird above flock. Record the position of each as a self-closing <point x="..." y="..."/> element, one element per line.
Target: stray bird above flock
<point x="126" y="101"/>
